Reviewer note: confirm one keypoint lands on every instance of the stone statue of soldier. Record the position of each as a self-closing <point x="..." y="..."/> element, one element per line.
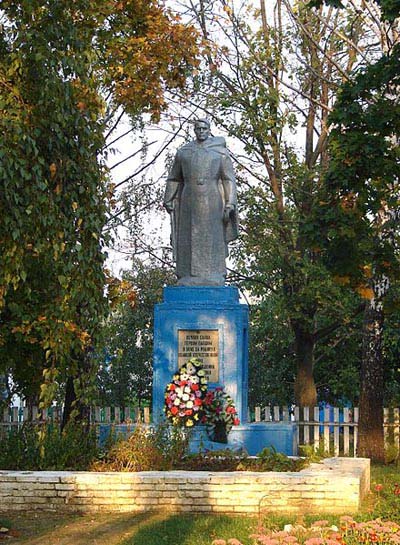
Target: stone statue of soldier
<point x="201" y="199"/>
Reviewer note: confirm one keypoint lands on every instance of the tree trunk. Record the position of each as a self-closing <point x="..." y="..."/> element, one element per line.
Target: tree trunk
<point x="304" y="387"/>
<point x="72" y="401"/>
<point x="371" y="442"/>
<point x="69" y="401"/>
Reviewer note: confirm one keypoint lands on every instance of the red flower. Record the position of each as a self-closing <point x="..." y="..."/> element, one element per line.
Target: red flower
<point x="182" y="383"/>
<point x="188" y="412"/>
<point x="174" y="410"/>
<point x="198" y="402"/>
<point x="231" y="410"/>
<point x="195" y="387"/>
<point x="171" y="387"/>
<point x="219" y="389"/>
<point x="203" y="419"/>
<point x="236" y="421"/>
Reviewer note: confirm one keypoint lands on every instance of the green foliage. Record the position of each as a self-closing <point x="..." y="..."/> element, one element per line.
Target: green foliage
<point x="385" y="501"/>
<point x="125" y="349"/>
<point x="58" y="60"/>
<point x="272" y="362"/>
<point x="146" y="449"/>
<point x="280" y="179"/>
<point x="46" y="448"/>
<point x="53" y="197"/>
<point x="390" y="8"/>
<point x="227" y="460"/>
<point x="270" y="460"/>
<point x="364" y="124"/>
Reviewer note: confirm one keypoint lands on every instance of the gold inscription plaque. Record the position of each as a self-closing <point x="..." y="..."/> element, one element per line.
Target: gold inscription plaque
<point x="202" y="344"/>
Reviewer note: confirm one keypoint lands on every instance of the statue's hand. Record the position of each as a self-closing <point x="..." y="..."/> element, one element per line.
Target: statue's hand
<point x="229" y="208"/>
<point x="169" y="207"/>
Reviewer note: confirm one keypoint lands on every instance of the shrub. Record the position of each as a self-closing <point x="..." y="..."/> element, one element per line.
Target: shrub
<point x="32" y="447"/>
<point x="147" y="449"/>
<point x="227" y="460"/>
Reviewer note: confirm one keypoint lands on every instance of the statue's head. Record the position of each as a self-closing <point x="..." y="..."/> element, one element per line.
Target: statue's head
<point x="202" y="129"/>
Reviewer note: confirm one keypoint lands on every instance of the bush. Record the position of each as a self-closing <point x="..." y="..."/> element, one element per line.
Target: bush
<point x="226" y="460"/>
<point x="34" y="448"/>
<point x="147" y="449"/>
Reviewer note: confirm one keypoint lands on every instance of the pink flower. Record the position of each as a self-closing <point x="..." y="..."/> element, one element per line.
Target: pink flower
<point x="314" y="541"/>
<point x="234" y="541"/>
<point x="219" y="542"/>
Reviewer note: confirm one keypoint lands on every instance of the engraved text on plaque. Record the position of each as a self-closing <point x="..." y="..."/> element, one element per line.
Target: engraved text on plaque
<point x="202" y="344"/>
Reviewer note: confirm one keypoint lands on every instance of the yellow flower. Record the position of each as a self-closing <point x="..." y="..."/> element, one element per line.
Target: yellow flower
<point x="189" y="423"/>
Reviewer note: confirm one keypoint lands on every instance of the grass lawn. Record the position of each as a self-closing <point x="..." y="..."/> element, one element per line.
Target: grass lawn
<point x="167" y="529"/>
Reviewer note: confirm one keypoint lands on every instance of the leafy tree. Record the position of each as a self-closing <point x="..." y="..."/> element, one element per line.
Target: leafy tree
<point x="360" y="210"/>
<point x="272" y="358"/>
<point x="126" y="351"/>
<point x="65" y="68"/>
<point x="271" y="83"/>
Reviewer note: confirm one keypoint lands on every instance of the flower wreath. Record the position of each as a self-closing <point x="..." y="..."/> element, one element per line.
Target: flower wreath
<point x="185" y="394"/>
<point x="219" y="414"/>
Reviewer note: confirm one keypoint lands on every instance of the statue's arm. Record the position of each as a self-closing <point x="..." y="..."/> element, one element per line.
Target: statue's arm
<point x="229" y="185"/>
<point x="175" y="178"/>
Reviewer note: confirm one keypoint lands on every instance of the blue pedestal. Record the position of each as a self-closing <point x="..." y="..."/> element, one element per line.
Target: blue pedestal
<point x="252" y="438"/>
<point x="200" y="313"/>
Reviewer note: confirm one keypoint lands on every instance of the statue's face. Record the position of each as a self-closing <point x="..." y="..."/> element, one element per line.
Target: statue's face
<point x="202" y="131"/>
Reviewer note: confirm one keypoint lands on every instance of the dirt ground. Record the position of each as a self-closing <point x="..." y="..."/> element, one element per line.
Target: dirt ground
<point x="52" y="529"/>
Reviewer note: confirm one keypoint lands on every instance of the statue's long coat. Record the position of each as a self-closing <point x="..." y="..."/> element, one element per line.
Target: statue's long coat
<point x="200" y="183"/>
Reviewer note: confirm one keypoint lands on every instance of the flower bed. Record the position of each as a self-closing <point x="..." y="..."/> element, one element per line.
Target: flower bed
<point x="350" y="532"/>
<point x="337" y="485"/>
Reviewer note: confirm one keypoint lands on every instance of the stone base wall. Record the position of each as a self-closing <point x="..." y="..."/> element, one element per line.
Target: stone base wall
<point x="335" y="486"/>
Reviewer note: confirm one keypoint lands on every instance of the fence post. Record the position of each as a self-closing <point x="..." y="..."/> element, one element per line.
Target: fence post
<point x="346" y="432"/>
<point x="306" y="431"/>
<point x="396" y="423"/>
<point x="336" y="430"/>
<point x="386" y="427"/>
<point x="355" y="419"/>
<point x="316" y="428"/>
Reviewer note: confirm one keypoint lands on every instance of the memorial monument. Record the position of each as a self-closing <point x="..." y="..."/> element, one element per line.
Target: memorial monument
<point x="201" y="199"/>
<point x="200" y="316"/>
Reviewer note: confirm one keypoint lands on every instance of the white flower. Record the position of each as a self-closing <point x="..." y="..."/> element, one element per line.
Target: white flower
<point x="184" y="376"/>
<point x="334" y="528"/>
<point x="179" y="391"/>
<point x="194" y="379"/>
<point x="187" y="389"/>
<point x="185" y="397"/>
<point x="176" y="401"/>
<point x="189" y="404"/>
<point x="288" y="528"/>
<point x="190" y="369"/>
